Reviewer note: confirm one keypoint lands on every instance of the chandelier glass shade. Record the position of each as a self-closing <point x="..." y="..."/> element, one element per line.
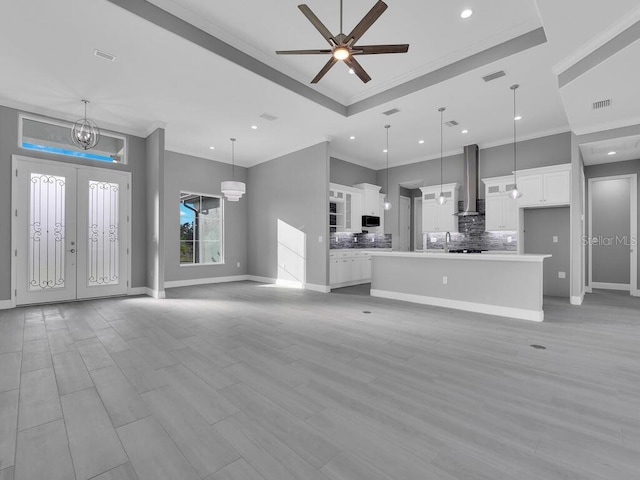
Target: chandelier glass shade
<point x="441" y="198"/>
<point x="387" y="203"/>
<point x="232" y="189"/>
<point x="85" y="134"/>
<point x="515" y="193"/>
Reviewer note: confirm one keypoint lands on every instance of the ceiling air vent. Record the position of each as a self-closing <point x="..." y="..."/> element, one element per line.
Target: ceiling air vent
<point x="451" y="123"/>
<point x="390" y="112"/>
<point x="602" y="104"/>
<point x="266" y="116"/>
<point x="494" y="76"/>
<point x="105" y="55"/>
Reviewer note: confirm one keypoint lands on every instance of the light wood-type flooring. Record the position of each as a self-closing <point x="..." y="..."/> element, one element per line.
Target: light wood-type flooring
<point x="246" y="381"/>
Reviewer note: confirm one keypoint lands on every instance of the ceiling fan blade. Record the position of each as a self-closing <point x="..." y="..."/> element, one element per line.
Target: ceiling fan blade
<point x="357" y="69"/>
<point x="378" y="49"/>
<point x="368" y="20"/>
<point x="302" y="52"/>
<point x="324" y="31"/>
<point x="324" y="70"/>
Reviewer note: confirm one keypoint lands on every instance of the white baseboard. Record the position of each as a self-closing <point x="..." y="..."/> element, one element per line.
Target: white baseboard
<point x="611" y="286"/>
<point x="204" y="281"/>
<point x="6" y="304"/>
<point x="533" y="315"/>
<point x="289" y="284"/>
<point x="350" y="284"/>
<point x="137" y="291"/>
<point x="159" y="294"/>
<point x="577" y="299"/>
<point x="635" y="293"/>
<point x="588" y="289"/>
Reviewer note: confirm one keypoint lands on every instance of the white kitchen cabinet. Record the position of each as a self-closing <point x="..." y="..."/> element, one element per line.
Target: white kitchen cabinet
<point x="347" y="203"/>
<point x="436" y="217"/>
<point x="371" y="199"/>
<point x="545" y="186"/>
<point x="501" y="211"/>
<point x="349" y="267"/>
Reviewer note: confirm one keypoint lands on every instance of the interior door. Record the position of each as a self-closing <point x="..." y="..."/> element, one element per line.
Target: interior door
<point x="46" y="232"/>
<point x="102" y="233"/>
<point x="71" y="227"/>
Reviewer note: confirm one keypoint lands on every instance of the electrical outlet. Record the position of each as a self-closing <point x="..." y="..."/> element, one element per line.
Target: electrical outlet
<point x="238" y="264"/>
<point x="555" y="239"/>
<point x="434" y="239"/>
<point x="509" y="239"/>
<point x="445" y="280"/>
<point x="562" y="274"/>
<point x="320" y="239"/>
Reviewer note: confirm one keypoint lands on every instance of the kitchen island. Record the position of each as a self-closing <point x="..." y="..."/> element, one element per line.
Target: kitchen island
<point x="507" y="285"/>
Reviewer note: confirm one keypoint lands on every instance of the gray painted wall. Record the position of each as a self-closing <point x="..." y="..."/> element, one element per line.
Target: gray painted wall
<point x="540" y="226"/>
<point x="608" y="170"/>
<point x="294" y="189"/>
<point x="346" y="173"/>
<point x="184" y="173"/>
<point x="136" y="165"/>
<point x="155" y="214"/>
<point x="494" y="162"/>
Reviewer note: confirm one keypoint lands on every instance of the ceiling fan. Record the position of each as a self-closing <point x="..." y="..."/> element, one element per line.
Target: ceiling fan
<point x="343" y="47"/>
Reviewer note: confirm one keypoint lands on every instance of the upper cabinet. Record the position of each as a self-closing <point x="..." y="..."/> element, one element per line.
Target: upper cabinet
<point x="501" y="211"/>
<point x="545" y="186"/>
<point x="345" y="208"/>
<point x="370" y="199"/>
<point x="436" y="217"/>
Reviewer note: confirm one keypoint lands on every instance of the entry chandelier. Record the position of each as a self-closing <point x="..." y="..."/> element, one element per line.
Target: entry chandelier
<point x="515" y="193"/>
<point x="230" y="188"/>
<point x="85" y="134"/>
<point x="441" y="198"/>
<point x="387" y="203"/>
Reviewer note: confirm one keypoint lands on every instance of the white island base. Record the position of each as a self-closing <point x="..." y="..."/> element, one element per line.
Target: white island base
<point x="506" y="285"/>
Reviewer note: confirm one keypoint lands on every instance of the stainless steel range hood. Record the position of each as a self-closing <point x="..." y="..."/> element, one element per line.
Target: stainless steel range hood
<point x="470" y="183"/>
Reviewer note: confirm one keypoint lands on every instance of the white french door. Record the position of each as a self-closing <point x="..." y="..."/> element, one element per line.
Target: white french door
<point x="71" y="232"/>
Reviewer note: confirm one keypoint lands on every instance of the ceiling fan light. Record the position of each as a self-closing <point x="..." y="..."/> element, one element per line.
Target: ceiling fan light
<point x="341" y="53"/>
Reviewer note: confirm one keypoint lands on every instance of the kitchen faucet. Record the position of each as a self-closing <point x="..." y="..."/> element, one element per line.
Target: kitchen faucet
<point x="447" y="239"/>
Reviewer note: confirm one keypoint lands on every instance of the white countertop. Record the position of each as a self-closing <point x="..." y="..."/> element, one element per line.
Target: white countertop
<point x="500" y="257"/>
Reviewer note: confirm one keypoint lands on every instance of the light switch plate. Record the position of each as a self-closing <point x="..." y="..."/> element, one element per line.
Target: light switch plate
<point x="562" y="275"/>
<point x="320" y="239"/>
<point x="445" y="280"/>
<point x="555" y="239"/>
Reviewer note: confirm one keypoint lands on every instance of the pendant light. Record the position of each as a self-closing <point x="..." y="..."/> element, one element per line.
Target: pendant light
<point x="230" y="188"/>
<point x="387" y="203"/>
<point x="85" y="134"/>
<point x="515" y="193"/>
<point x="441" y="198"/>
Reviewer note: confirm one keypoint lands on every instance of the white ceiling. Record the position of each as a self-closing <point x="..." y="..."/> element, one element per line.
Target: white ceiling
<point x="625" y="148"/>
<point x="159" y="78"/>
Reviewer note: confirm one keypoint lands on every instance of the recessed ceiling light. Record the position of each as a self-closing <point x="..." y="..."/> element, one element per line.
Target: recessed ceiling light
<point x="466" y="13"/>
<point x="351" y="72"/>
<point x="352" y="137"/>
<point x="384" y="151"/>
<point x="464" y="132"/>
<point x="254" y="127"/>
<point x="611" y="153"/>
<point x="420" y="142"/>
<point x="517" y="118"/>
<point x="212" y="148"/>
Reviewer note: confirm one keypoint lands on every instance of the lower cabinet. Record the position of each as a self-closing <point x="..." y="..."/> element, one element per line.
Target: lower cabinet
<point x="349" y="268"/>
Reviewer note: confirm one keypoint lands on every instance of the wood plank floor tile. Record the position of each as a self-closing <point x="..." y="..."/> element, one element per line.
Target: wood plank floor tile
<point x="11" y="341"/>
<point x="36" y="355"/>
<point x="43" y="453"/>
<point x="153" y="354"/>
<point x="10" y="371"/>
<point x="60" y="340"/>
<point x="39" y="400"/>
<point x="203" y="368"/>
<point x="153" y="454"/>
<point x="111" y="340"/>
<point x="203" y="447"/>
<point x="122" y="401"/>
<point x="207" y="401"/>
<point x="93" y="442"/>
<point x="71" y="372"/>
<point x="8" y="427"/>
<point x="123" y="472"/>
<point x="7" y="473"/>
<point x="94" y="354"/>
<point x="238" y="470"/>
<point x="140" y="373"/>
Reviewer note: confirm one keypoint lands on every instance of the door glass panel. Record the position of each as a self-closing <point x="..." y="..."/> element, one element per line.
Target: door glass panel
<point x="103" y="246"/>
<point x="46" y="232"/>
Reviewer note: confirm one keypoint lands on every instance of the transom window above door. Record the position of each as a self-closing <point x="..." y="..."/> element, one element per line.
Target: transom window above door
<point x="54" y="136"/>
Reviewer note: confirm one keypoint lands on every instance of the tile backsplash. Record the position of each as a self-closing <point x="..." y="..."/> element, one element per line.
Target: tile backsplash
<point x="359" y="240"/>
<point x="471" y="235"/>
